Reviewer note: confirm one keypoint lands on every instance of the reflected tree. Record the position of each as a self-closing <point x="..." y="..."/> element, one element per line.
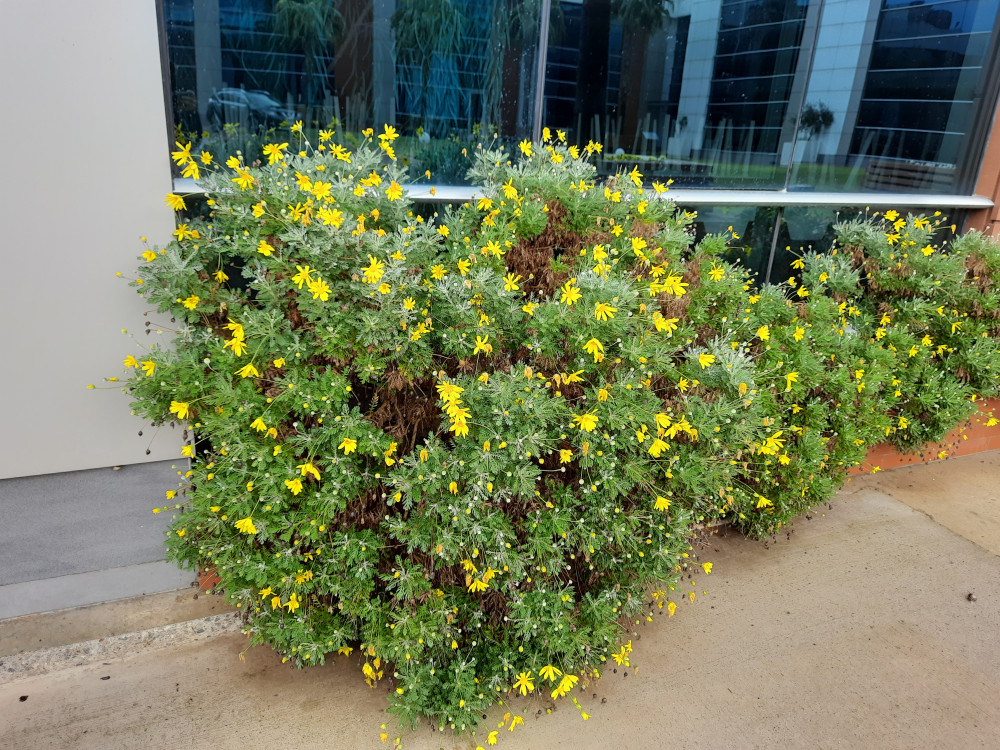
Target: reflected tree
<point x="639" y="19"/>
<point x="465" y="61"/>
<point x="429" y="36"/>
<point x="310" y="27"/>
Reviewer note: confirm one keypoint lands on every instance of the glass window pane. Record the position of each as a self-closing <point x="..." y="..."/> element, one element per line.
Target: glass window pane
<point x="811" y="229"/>
<point x="752" y="231"/>
<point x="806" y="229"/>
<point x="904" y="18"/>
<point x="698" y="92"/>
<point x="447" y="74"/>
<point x="713" y="93"/>
<point x="892" y="100"/>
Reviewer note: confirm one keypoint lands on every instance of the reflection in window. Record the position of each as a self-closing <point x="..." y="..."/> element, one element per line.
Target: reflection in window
<point x="807" y="229"/>
<point x="615" y="75"/>
<point x="751" y="230"/>
<point x="697" y="92"/>
<point x="843" y="95"/>
<point x="755" y="63"/>
<point x="919" y="102"/>
<point x="447" y="73"/>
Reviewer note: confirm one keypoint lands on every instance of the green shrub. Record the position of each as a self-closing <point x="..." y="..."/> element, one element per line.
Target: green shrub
<point x="934" y="309"/>
<point x="469" y="445"/>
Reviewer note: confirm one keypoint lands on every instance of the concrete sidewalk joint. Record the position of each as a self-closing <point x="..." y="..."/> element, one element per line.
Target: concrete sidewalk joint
<point x="46" y="660"/>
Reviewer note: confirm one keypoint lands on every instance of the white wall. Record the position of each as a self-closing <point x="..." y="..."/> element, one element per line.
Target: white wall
<point x="85" y="168"/>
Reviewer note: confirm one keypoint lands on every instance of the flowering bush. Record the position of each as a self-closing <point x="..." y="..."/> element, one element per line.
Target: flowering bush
<point x="469" y="445"/>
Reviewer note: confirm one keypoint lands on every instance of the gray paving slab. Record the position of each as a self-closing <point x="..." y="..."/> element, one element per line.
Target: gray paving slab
<point x="73" y="522"/>
<point x="962" y="494"/>
<point x="94" y="586"/>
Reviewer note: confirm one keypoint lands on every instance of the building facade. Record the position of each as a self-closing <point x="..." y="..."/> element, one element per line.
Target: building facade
<point x="775" y="117"/>
<point x="813" y="110"/>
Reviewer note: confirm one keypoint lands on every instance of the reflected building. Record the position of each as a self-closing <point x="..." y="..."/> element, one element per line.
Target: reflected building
<point x="850" y="95"/>
<point x="837" y="102"/>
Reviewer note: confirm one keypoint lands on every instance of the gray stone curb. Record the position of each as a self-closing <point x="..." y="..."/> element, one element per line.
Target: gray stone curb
<point x="47" y="660"/>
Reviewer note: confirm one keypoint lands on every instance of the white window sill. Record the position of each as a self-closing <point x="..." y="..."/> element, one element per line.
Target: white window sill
<point x="715" y="197"/>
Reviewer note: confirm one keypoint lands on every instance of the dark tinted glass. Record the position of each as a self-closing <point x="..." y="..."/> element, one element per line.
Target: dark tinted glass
<point x="448" y="74"/>
<point x="900" y="111"/>
<point x="843" y="95"/>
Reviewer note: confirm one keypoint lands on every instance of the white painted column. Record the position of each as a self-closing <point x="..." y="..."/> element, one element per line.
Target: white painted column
<point x="85" y="169"/>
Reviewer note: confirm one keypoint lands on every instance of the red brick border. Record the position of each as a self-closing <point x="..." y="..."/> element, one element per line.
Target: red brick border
<point x="973" y="437"/>
<point x="208" y="579"/>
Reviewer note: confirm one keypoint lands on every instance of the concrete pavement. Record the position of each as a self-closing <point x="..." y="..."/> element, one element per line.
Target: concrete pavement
<point x="855" y="631"/>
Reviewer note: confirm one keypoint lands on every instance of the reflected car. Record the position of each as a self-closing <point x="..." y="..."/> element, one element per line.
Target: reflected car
<point x="252" y="108"/>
